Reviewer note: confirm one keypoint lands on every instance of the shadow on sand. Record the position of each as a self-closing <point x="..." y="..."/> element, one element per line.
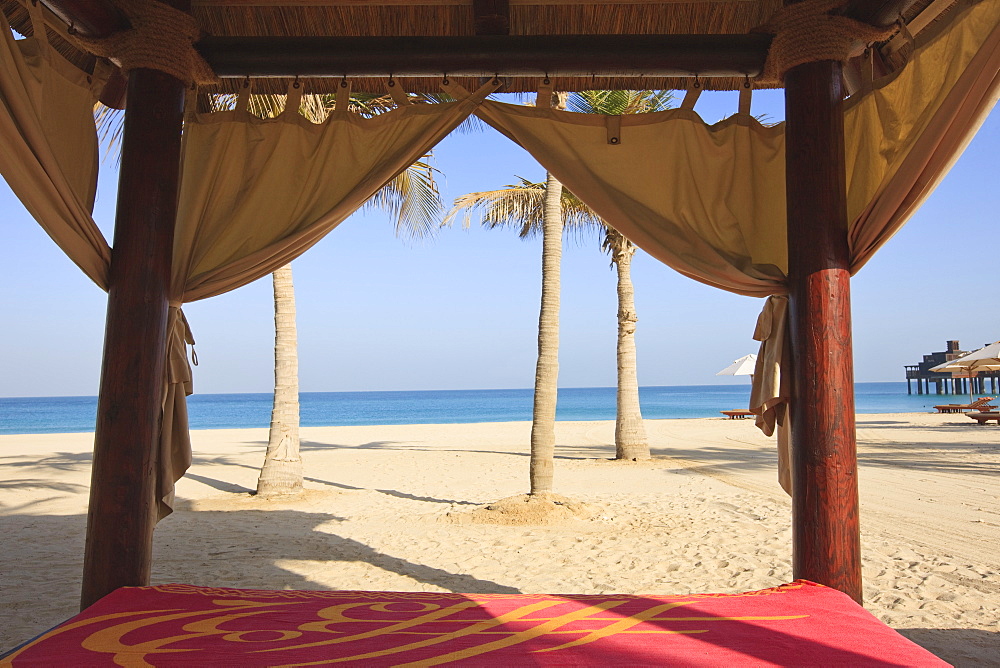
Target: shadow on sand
<point x="947" y="644"/>
<point x="211" y="548"/>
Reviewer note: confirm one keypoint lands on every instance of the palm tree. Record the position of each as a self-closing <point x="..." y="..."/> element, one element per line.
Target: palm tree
<point x="533" y="209"/>
<point x="411" y="198"/>
<point x="543" y="412"/>
<point x="523" y="205"/>
<point x="526" y="206"/>
<point x="630" y="432"/>
<point x="281" y="472"/>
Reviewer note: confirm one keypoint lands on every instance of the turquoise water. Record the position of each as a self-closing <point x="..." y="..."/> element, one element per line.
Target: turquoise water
<point x="46" y="415"/>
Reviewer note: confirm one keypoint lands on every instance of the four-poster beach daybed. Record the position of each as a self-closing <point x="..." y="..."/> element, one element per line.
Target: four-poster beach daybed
<point x="198" y="213"/>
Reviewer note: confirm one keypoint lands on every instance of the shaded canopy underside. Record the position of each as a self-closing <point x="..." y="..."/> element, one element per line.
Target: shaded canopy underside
<point x="453" y="18"/>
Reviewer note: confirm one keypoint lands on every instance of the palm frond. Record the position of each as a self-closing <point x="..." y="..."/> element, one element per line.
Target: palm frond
<point x="314" y="107"/>
<point x="110" y="126"/>
<point x="522" y="206"/>
<point x="620" y="102"/>
<point x="612" y="240"/>
<point x="266" y="106"/>
<point x="763" y="119"/>
<point x="580" y="222"/>
<point x="222" y="102"/>
<point x="518" y="205"/>
<point x="413" y="199"/>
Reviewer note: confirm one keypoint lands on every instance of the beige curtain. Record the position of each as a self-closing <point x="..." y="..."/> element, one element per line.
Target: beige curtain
<point x="904" y="136"/>
<point x="174" y="452"/>
<point x="708" y="200"/>
<point x="771" y="392"/>
<point x="257" y="193"/>
<point x="49" y="155"/>
<point x="254" y="194"/>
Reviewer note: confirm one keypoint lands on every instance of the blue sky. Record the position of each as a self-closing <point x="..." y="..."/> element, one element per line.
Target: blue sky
<point x="460" y="311"/>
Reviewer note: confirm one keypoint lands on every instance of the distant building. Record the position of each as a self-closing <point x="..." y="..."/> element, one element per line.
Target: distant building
<point x="945" y="383"/>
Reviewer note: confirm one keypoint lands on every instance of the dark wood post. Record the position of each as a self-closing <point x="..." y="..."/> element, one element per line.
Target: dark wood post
<point x="122" y="505"/>
<point x="826" y="535"/>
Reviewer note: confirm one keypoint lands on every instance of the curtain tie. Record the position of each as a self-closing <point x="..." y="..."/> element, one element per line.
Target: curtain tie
<point x="160" y="38"/>
<point x="809" y="31"/>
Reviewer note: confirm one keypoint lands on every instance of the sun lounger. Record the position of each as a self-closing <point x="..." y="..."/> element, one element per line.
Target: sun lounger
<point x="980" y="404"/>
<point x="983" y="418"/>
<point x="737" y="415"/>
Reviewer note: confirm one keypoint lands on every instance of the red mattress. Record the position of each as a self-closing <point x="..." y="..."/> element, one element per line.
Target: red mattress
<point x="798" y="624"/>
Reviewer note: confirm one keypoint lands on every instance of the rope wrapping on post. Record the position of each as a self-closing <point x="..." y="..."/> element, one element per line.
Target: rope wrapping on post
<point x="160" y="38"/>
<point x="808" y="31"/>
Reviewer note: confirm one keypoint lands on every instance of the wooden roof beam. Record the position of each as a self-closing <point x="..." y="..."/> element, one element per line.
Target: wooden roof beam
<point x="431" y="3"/>
<point x="877" y="12"/>
<point x="90" y="18"/>
<point x="488" y="55"/>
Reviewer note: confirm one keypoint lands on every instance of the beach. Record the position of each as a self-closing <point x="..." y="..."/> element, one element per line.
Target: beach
<point x="399" y="508"/>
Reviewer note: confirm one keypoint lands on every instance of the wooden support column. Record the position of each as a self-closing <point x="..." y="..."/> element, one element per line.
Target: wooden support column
<point x="826" y="535"/>
<point x="122" y="505"/>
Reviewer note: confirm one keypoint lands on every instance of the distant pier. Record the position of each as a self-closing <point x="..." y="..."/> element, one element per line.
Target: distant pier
<point x="945" y="383"/>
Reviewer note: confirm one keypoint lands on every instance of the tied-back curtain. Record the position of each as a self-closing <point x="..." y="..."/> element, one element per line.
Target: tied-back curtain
<point x="904" y="136"/>
<point x="49" y="144"/>
<point x="709" y="200"/>
<point x="901" y="138"/>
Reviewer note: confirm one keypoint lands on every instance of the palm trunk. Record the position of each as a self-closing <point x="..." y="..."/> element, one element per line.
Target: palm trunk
<point x="630" y="433"/>
<point x="282" y="470"/>
<point x="543" y="419"/>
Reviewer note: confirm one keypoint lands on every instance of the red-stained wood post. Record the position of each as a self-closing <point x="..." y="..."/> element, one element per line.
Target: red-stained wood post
<point x="122" y="506"/>
<point x="826" y="534"/>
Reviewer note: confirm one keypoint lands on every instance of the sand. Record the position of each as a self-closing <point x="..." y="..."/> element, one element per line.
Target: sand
<point x="394" y="508"/>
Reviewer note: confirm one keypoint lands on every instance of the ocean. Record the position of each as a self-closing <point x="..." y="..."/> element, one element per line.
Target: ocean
<point x="48" y="415"/>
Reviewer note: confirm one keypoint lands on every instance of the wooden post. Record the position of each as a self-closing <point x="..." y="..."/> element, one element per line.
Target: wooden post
<point x="826" y="535"/>
<point x="122" y="506"/>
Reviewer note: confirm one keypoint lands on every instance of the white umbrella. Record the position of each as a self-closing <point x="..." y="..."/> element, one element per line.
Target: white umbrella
<point x="744" y="366"/>
<point x="986" y="358"/>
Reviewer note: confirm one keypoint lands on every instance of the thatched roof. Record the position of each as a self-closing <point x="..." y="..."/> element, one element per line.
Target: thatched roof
<point x="221" y="17"/>
<point x="286" y="18"/>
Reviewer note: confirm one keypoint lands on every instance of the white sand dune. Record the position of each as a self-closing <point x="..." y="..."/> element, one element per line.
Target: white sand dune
<point x="387" y="508"/>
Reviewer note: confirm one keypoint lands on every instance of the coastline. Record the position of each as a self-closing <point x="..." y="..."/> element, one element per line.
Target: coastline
<point x="29" y="415"/>
<point x="387" y="508"/>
